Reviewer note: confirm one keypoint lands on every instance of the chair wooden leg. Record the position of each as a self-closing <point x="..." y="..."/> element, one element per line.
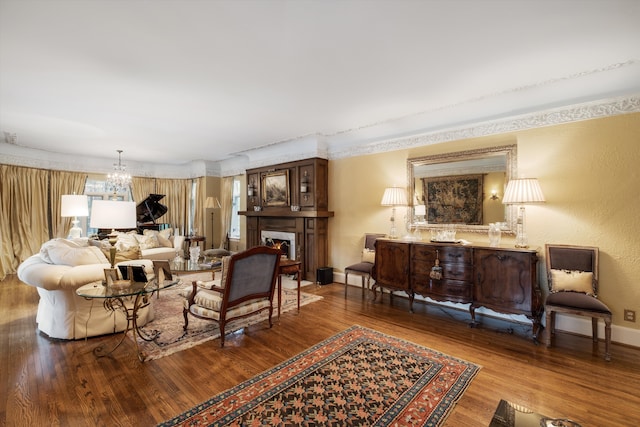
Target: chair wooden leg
<point x="346" y="283"/>
<point x="362" y="279"/>
<point x="607" y="339"/>
<point x="550" y="326"/>
<point x="594" y="328"/>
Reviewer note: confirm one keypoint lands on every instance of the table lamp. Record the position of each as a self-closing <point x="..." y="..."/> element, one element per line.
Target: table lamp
<point x="394" y="196"/>
<point x="113" y="214"/>
<point x="519" y="192"/>
<point x="74" y="205"/>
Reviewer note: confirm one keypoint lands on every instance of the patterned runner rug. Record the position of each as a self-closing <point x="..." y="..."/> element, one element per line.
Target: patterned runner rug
<point x="169" y="322"/>
<point x="359" y="377"/>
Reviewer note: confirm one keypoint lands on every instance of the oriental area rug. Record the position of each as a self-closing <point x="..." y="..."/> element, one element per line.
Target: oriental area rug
<point x="359" y="377"/>
<point x="169" y="321"/>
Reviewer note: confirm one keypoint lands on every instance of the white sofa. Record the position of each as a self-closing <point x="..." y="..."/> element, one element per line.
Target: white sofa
<point x="64" y="265"/>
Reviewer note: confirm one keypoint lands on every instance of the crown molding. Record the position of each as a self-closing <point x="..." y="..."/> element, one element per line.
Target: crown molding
<point x="321" y="145"/>
<point x="551" y="117"/>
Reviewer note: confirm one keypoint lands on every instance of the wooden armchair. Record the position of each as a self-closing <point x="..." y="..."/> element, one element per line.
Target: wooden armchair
<point x="572" y="273"/>
<point x="245" y="288"/>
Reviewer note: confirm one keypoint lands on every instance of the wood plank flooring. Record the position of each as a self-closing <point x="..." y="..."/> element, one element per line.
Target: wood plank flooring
<point x="61" y="383"/>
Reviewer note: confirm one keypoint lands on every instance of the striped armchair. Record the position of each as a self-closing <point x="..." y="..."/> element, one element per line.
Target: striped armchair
<point x="245" y="288"/>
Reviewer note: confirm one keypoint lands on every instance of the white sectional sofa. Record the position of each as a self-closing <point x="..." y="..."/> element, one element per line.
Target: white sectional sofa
<point x="64" y="265"/>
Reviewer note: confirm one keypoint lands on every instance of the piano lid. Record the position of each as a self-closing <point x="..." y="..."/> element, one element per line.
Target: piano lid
<point x="150" y="209"/>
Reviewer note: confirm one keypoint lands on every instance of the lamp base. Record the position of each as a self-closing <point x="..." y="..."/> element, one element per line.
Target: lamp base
<point x="75" y="232"/>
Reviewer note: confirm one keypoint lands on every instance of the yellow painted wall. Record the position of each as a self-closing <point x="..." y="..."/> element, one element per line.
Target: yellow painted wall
<point x="589" y="172"/>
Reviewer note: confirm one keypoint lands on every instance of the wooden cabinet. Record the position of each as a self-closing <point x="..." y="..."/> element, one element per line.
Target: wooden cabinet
<point x="307" y="187"/>
<point x="501" y="279"/>
<point x="392" y="267"/>
<point x="507" y="281"/>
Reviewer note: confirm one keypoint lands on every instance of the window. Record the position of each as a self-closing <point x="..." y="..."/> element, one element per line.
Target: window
<point x="234" y="232"/>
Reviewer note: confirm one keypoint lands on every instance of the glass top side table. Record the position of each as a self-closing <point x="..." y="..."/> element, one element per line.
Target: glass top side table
<point x="128" y="299"/>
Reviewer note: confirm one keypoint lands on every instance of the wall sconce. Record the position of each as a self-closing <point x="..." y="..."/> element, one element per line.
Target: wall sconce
<point x="304" y="183"/>
<point x="494" y="194"/>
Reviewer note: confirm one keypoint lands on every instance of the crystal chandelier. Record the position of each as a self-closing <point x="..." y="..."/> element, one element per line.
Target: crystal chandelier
<point x="119" y="180"/>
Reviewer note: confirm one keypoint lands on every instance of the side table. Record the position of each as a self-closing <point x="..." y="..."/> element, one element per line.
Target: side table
<point x="189" y="240"/>
<point x="288" y="266"/>
<point x="115" y="298"/>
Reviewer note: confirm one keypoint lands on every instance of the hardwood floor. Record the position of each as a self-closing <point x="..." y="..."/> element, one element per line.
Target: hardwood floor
<point x="61" y="383"/>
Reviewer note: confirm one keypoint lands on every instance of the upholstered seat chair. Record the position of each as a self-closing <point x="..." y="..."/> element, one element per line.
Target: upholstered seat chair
<point x="245" y="288"/>
<point x="365" y="266"/>
<point x="572" y="273"/>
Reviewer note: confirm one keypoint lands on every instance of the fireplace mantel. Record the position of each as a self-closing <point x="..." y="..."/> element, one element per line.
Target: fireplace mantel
<point x="288" y="214"/>
<point x="308" y="189"/>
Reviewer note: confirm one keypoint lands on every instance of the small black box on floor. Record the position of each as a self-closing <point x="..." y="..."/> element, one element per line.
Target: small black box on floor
<point x="324" y="275"/>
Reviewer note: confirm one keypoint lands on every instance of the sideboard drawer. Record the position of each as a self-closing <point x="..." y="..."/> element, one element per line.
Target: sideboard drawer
<point x="449" y="290"/>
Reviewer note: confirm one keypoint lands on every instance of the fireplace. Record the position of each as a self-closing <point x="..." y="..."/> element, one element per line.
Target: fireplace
<point x="283" y="240"/>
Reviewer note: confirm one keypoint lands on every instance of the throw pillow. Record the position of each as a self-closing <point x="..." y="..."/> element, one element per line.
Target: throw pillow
<point x="64" y="255"/>
<point x="126" y="241"/>
<point x="148" y="241"/>
<point x="368" y="256"/>
<point x="572" y="281"/>
<point x="162" y="237"/>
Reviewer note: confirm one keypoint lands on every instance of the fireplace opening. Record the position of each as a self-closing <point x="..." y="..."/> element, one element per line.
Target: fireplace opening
<point x="286" y="242"/>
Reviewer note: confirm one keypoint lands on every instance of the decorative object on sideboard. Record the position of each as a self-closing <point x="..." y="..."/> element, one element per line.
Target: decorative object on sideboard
<point x="119" y="180"/>
<point x="212" y="203"/>
<point x="522" y="191"/>
<point x="113" y="214"/>
<point x="394" y="196"/>
<point x="495" y="234"/>
<point x="74" y="205"/>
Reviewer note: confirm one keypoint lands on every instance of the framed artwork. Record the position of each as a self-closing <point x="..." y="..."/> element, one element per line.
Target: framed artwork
<point x="275" y="188"/>
<point x="453" y="199"/>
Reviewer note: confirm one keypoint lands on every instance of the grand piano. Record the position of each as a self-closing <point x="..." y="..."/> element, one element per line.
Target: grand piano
<point x="148" y="211"/>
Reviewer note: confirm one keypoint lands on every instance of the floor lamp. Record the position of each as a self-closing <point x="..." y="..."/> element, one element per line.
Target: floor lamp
<point x="74" y="205"/>
<point x="212" y="203"/>
<point x="519" y="192"/>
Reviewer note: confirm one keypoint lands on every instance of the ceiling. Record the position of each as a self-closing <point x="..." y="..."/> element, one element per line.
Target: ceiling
<point x="195" y="80"/>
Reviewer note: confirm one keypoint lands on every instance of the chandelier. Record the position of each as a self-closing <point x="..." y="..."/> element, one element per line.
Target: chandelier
<point x="119" y="180"/>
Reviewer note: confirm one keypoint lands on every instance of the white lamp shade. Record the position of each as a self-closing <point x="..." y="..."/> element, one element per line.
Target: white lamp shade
<point x="212" y="203"/>
<point x="419" y="210"/>
<point x="394" y="196"/>
<point x="74" y="205"/>
<point x="523" y="190"/>
<point x="113" y="214"/>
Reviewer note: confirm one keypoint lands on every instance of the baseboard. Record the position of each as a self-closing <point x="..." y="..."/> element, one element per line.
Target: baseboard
<point x="578" y="325"/>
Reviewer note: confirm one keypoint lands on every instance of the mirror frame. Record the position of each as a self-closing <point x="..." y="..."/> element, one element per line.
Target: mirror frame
<point x="510" y="151"/>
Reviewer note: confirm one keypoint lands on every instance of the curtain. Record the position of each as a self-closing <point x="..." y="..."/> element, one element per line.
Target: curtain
<point x="226" y="197"/>
<point x="177" y="198"/>
<point x="24" y="220"/>
<point x="199" y="213"/>
<point x="63" y="183"/>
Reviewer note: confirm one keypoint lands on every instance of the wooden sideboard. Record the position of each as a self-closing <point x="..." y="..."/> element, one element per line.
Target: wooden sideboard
<point x="502" y="279"/>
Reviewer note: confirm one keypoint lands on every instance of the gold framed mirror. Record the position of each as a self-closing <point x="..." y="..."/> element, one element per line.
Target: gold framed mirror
<point x="463" y="188"/>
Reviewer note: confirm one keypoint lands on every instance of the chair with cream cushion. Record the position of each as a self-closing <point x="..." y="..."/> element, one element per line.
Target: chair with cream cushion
<point x="572" y="273"/>
<point x="365" y="266"/>
<point x="245" y="288"/>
